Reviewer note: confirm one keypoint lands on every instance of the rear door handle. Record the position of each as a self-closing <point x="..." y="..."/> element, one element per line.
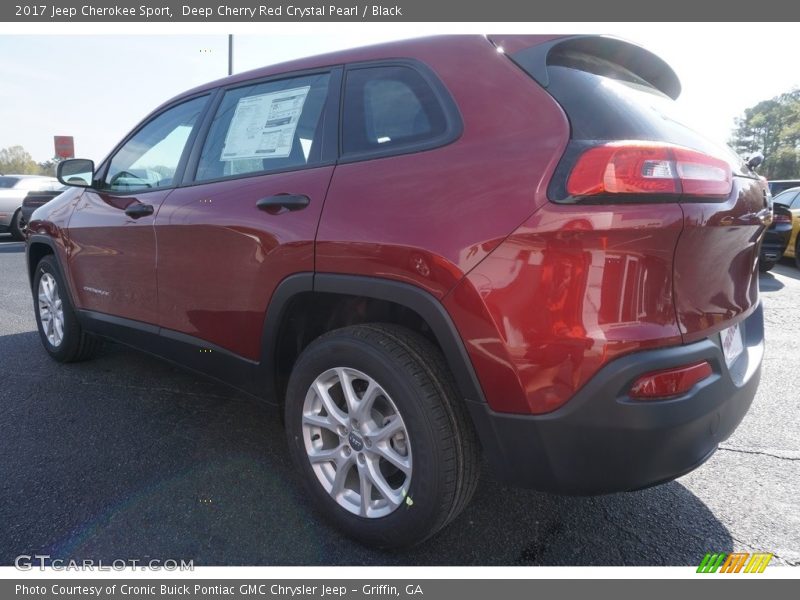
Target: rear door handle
<point x="138" y="210"/>
<point x="278" y="202"/>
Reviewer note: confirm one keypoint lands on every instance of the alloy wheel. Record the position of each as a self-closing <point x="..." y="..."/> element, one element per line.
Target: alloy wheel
<point x="51" y="311"/>
<point x="357" y="442"/>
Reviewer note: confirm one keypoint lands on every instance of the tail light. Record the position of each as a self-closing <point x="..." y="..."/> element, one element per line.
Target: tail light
<point x="781" y="218"/>
<point x="669" y="382"/>
<point x="633" y="167"/>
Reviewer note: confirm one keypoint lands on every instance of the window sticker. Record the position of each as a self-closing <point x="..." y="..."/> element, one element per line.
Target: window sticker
<point x="263" y="126"/>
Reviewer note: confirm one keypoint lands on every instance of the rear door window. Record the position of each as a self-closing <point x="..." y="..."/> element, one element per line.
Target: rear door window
<point x="266" y="127"/>
<point x="391" y="109"/>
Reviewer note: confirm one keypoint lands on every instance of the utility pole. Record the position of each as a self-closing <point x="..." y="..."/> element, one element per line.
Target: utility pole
<point x="230" y="54"/>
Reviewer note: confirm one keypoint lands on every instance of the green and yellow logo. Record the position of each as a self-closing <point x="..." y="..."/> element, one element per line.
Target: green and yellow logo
<point x="735" y="562"/>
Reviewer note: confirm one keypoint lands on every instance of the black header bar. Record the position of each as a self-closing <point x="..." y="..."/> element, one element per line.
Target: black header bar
<point x="263" y="11"/>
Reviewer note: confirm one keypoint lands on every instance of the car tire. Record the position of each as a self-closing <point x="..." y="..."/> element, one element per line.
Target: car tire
<point x="61" y="333"/>
<point x="421" y="476"/>
<point x="15" y="227"/>
<point x="766" y="265"/>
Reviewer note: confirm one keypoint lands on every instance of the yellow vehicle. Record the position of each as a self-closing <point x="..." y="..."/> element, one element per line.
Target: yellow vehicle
<point x="791" y="199"/>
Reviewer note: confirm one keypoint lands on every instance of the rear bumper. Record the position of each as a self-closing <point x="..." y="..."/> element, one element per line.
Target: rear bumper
<point x="601" y="441"/>
<point x="27" y="212"/>
<point x="775" y="241"/>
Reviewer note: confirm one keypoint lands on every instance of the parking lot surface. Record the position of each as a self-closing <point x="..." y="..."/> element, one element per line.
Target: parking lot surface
<point x="127" y="457"/>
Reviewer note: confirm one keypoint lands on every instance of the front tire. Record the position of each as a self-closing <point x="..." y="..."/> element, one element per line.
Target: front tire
<point x="61" y="333"/>
<point x="377" y="431"/>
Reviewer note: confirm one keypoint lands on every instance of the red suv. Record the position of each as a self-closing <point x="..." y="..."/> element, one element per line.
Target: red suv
<point x="427" y="252"/>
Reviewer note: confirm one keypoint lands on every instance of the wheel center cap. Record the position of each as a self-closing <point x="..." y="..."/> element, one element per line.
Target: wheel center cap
<point x="356" y="443"/>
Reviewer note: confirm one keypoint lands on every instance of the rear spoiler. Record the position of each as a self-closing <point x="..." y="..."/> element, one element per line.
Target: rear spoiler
<point x="641" y="62"/>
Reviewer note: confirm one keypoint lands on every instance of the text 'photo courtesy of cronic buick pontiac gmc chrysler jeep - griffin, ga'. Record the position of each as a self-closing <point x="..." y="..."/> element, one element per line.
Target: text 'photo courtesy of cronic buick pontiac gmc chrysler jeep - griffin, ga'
<point x="430" y="253"/>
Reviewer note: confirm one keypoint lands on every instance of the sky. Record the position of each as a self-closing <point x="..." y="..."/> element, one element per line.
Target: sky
<point x="98" y="87"/>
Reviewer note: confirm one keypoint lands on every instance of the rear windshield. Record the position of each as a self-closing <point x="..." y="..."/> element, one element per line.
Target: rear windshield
<point x="8" y="182"/>
<point x="605" y="101"/>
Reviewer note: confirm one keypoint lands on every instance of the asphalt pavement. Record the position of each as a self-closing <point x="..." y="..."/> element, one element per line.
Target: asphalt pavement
<point x="127" y="457"/>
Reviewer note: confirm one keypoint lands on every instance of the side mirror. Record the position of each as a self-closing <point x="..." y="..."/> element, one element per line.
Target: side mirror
<point x="755" y="160"/>
<point x="78" y="172"/>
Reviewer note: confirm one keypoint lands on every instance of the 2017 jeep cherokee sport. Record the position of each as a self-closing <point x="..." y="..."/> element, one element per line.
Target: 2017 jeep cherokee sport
<point x="428" y="251"/>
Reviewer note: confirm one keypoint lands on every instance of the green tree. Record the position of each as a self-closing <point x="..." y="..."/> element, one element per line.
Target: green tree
<point x="16" y="159"/>
<point x="772" y="127"/>
<point x="48" y="167"/>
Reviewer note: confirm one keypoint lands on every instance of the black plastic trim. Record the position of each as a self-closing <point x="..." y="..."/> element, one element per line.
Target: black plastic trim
<point x="602" y="441"/>
<point x="276" y="310"/>
<point x="197" y="143"/>
<point x="256" y="378"/>
<point x="259" y="377"/>
<point x="178" y="348"/>
<point x="38" y="238"/>
<point x="427" y="307"/>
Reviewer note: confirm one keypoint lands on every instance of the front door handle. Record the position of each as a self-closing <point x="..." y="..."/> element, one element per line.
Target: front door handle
<point x="279" y="202"/>
<point x="138" y="210"/>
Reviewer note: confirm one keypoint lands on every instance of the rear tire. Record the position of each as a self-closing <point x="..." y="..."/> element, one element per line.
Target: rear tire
<point x="401" y="384"/>
<point x="61" y="333"/>
<point x="15" y="227"/>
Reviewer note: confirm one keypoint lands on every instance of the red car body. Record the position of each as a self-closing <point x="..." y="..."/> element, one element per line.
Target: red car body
<point x="547" y="311"/>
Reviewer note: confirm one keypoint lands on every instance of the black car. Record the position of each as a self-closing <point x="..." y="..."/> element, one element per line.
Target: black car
<point x="780" y="185"/>
<point x="776" y="238"/>
<point x="35" y="199"/>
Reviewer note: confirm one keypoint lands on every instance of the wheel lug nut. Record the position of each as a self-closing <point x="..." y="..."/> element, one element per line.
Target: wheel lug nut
<point x="347" y="450"/>
<point x="368" y="443"/>
<point x="361" y="459"/>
